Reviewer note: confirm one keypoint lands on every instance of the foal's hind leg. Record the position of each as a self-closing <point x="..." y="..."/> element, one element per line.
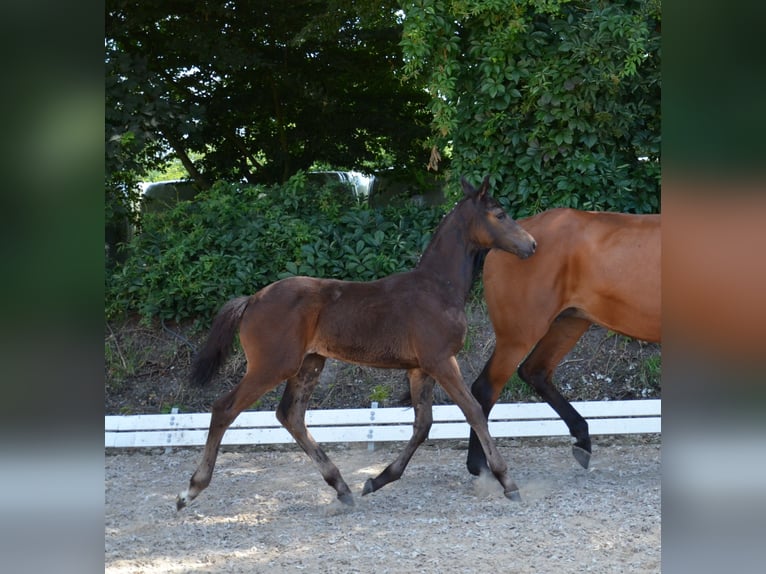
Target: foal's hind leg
<point x="421" y="391"/>
<point x="538" y="368"/>
<point x="448" y="376"/>
<point x="225" y="410"/>
<point x="291" y="413"/>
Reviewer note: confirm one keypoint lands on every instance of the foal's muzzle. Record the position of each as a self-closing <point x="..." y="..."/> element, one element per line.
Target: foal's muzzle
<point x="527" y="250"/>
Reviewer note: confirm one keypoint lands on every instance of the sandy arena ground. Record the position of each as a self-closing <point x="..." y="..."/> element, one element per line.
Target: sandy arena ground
<point x="268" y="510"/>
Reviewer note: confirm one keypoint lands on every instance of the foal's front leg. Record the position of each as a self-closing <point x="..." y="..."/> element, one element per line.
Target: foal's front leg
<point x="291" y="412"/>
<point x="447" y="374"/>
<point x="421" y="391"/>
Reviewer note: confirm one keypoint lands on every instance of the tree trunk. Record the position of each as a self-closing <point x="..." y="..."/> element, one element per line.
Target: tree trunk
<point x="188" y="164"/>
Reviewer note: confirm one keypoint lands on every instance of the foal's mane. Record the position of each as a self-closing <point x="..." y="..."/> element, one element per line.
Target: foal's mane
<point x="477" y="255"/>
<point x="440" y="228"/>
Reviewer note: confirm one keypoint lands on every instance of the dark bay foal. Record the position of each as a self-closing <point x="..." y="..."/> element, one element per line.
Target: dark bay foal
<point x="413" y="320"/>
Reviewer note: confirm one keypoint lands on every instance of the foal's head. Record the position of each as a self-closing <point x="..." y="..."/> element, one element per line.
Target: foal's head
<point x="490" y="226"/>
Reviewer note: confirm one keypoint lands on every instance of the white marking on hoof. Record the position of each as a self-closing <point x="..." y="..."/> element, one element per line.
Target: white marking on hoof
<point x="182" y="499"/>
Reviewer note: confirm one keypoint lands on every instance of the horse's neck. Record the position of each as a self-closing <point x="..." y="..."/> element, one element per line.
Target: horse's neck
<point x="450" y="259"/>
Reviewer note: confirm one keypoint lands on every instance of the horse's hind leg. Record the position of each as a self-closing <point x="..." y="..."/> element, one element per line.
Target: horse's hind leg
<point x="538" y="368"/>
<point x="224" y="411"/>
<point x="291" y="412"/>
<point x="448" y="376"/>
<point x="421" y="390"/>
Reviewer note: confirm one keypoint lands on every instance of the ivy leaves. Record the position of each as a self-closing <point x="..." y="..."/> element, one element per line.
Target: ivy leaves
<point x="558" y="101"/>
<point x="234" y="239"/>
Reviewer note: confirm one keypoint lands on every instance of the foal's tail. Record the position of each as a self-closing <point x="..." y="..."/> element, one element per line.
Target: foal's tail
<point x="218" y="346"/>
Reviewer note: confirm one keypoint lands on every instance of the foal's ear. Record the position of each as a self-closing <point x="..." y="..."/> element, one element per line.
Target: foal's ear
<point x="484" y="187"/>
<point x="471" y="191"/>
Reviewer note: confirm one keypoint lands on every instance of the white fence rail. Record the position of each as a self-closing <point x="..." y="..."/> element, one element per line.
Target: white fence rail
<point x="381" y="424"/>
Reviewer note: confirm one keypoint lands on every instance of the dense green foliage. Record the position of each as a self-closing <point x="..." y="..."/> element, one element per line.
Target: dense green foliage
<point x="233" y="239"/>
<point x="558" y="100"/>
<point x="252" y="92"/>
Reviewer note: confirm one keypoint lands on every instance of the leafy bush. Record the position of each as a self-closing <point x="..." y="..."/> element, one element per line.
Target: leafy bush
<point x="365" y="244"/>
<point x="558" y="100"/>
<point x="234" y="239"/>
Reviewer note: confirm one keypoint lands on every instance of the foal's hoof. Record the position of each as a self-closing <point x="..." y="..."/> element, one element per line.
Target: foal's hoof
<point x="368" y="487"/>
<point x="513" y="495"/>
<point x="581" y="455"/>
<point x="183" y="499"/>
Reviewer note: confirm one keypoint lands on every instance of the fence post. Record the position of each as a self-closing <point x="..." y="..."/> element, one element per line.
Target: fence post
<point x="173" y="423"/>
<point x="370" y="433"/>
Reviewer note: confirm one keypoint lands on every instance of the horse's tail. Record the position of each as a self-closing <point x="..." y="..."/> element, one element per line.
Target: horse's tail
<point x="218" y="346"/>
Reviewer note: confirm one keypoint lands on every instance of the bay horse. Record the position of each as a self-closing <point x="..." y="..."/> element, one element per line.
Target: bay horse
<point x="589" y="267"/>
<point x="413" y="320"/>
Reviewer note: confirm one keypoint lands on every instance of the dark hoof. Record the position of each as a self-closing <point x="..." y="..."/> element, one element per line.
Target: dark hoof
<point x="513" y="495"/>
<point x="581" y="455"/>
<point x="180" y="503"/>
<point x="347" y="499"/>
<point x="368" y="488"/>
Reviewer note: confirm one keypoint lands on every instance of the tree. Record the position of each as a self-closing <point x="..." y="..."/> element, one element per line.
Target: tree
<point x="559" y="101"/>
<point x="254" y="91"/>
<point x="259" y="90"/>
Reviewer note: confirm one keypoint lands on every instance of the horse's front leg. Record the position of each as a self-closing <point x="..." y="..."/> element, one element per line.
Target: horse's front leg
<point x="291" y="412"/>
<point x="447" y="374"/>
<point x="488" y="386"/>
<point x="421" y="391"/>
<point x="486" y="394"/>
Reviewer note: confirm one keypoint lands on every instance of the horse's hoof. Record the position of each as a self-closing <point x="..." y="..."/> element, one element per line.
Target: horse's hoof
<point x="346" y="498"/>
<point x="513" y="495"/>
<point x="368" y="488"/>
<point x="476" y="469"/>
<point x="581" y="455"/>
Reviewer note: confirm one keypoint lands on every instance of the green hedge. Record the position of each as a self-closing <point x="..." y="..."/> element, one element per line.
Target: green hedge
<point x="234" y="239"/>
<point x="557" y="100"/>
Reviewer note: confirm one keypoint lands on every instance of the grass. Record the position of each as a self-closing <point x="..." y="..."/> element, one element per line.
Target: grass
<point x="121" y="361"/>
<point x="651" y="370"/>
<point x="516" y="390"/>
<point x="380" y="393"/>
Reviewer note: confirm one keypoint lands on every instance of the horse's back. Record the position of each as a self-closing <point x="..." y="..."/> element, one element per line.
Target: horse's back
<point x="621" y="273"/>
<point x="604" y="265"/>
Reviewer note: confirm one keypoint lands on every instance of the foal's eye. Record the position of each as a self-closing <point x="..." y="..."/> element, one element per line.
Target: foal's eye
<point x="500" y="215"/>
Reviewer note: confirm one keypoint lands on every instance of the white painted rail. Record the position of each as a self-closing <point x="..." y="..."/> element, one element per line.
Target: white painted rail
<point x="382" y="424"/>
